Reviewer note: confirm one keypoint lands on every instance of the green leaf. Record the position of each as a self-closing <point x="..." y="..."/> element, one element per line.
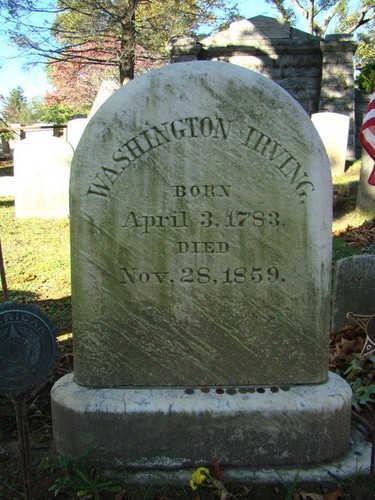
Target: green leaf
<point x="365" y="394"/>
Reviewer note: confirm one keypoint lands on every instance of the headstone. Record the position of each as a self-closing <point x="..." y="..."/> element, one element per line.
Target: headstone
<point x="201" y="251"/>
<point x="40" y="130"/>
<point x="354" y="289"/>
<point x="107" y="88"/>
<point x="42" y="172"/>
<point x="333" y="128"/>
<point x="7" y="185"/>
<point x="366" y="192"/>
<point x="17" y="135"/>
<point x="74" y="130"/>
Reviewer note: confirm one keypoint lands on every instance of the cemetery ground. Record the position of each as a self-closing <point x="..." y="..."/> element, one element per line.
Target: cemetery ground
<point x="36" y="258"/>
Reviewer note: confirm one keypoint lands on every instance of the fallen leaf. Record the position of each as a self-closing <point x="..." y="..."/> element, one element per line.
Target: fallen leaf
<point x="303" y="495"/>
<point x="334" y="495"/>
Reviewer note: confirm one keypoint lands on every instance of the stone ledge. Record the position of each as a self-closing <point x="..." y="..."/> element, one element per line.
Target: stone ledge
<point x="355" y="462"/>
<point x="168" y="428"/>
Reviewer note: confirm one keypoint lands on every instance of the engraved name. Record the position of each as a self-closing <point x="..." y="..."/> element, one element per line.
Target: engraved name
<point x="191" y="127"/>
<point x="211" y="128"/>
<point x="280" y="158"/>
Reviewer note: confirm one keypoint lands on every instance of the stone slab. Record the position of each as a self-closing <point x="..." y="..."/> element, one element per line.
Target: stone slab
<point x="333" y="128"/>
<point x="107" y="88"/>
<point x="201" y="234"/>
<point x="74" y="130"/>
<point x="176" y="428"/>
<point x="42" y="173"/>
<point x="7" y="186"/>
<point x="354" y="289"/>
<point x="354" y="463"/>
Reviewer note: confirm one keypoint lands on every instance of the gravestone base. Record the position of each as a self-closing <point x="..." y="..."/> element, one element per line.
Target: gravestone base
<point x="174" y="428"/>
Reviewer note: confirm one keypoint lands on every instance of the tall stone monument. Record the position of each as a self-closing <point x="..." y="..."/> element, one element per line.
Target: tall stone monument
<point x="201" y="203"/>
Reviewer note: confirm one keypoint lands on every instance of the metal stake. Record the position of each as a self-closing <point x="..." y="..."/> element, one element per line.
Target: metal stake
<point x="24" y="445"/>
<point x="3" y="276"/>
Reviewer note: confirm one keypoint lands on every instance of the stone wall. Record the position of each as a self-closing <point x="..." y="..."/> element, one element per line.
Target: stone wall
<point x="317" y="73"/>
<point x="337" y="91"/>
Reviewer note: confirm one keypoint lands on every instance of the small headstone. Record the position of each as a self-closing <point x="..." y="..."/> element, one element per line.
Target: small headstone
<point x="74" y="130"/>
<point x="366" y="192"/>
<point x="333" y="128"/>
<point x="17" y="135"/>
<point x="354" y="289"/>
<point x="42" y="172"/>
<point x="201" y="261"/>
<point x="107" y="88"/>
<point x="40" y="130"/>
<point x="7" y="185"/>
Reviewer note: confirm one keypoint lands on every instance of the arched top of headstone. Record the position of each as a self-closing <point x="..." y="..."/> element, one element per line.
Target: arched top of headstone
<point x="189" y="101"/>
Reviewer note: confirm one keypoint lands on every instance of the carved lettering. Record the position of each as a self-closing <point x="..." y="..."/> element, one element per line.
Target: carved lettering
<point x="205" y="190"/>
<point x="156" y="136"/>
<point x="280" y="157"/>
<point x="134" y="275"/>
<point x="263" y="276"/>
<point x="147" y="222"/>
<point x="201" y="127"/>
<point x="202" y="247"/>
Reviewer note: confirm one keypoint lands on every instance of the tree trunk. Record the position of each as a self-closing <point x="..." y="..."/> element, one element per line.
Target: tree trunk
<point x="310" y="17"/>
<point x="128" y="42"/>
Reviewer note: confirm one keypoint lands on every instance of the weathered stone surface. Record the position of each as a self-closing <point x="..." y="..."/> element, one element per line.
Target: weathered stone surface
<point x="41" y="172"/>
<point x="175" y="428"/>
<point x="333" y="128"/>
<point x="354" y="289"/>
<point x="201" y="234"/>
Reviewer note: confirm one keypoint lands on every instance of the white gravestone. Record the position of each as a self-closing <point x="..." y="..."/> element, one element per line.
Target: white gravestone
<point x="75" y="129"/>
<point x="333" y="128"/>
<point x="42" y="172"/>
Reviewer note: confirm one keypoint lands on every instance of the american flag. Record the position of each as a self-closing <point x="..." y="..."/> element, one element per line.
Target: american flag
<point x="367" y="135"/>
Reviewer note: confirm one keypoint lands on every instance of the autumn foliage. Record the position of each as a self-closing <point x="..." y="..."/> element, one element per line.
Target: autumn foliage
<point x="77" y="81"/>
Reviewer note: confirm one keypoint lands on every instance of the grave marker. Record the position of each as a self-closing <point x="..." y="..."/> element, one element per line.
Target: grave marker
<point x="354" y="289"/>
<point x="333" y="128"/>
<point x="41" y="176"/>
<point x="201" y="247"/>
